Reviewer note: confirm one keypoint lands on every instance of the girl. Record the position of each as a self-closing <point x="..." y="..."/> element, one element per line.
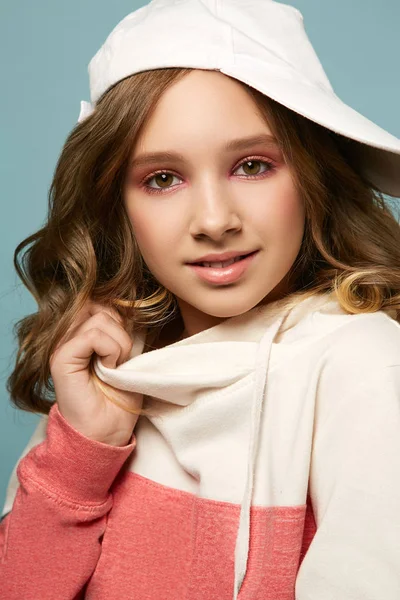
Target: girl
<point x="219" y="294"/>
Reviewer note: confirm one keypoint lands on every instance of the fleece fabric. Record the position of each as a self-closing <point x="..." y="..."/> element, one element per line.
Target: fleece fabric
<point x="270" y="471"/>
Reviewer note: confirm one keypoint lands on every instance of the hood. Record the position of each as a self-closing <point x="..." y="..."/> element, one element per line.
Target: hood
<point x="215" y="358"/>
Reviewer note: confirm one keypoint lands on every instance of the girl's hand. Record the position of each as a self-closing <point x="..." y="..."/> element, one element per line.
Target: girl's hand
<point x="97" y="330"/>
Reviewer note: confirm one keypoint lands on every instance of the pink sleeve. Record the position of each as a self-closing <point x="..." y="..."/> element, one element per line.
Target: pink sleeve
<point x="50" y="542"/>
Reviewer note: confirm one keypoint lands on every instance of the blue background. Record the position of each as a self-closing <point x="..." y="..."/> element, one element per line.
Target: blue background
<point x="45" y="47"/>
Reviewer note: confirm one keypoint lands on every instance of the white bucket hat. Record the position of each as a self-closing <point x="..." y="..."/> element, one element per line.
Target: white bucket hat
<point x="262" y="43"/>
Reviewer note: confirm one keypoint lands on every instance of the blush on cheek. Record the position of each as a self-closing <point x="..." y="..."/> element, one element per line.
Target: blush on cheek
<point x="284" y="200"/>
<point x="279" y="209"/>
<point x="290" y="208"/>
<point x="280" y="218"/>
<point x="155" y="239"/>
<point x="143" y="224"/>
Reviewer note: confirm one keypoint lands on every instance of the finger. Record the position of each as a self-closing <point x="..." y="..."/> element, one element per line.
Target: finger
<point x="107" y="323"/>
<point x="82" y="316"/>
<point x="96" y="308"/>
<point x="76" y="353"/>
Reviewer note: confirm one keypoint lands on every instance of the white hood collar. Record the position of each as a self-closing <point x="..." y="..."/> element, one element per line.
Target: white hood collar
<point x="159" y="373"/>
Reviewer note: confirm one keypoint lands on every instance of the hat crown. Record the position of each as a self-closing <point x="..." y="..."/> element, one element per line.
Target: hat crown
<point x="219" y="31"/>
<point x="272" y="30"/>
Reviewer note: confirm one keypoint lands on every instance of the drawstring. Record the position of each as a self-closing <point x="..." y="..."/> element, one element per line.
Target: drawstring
<point x="243" y="535"/>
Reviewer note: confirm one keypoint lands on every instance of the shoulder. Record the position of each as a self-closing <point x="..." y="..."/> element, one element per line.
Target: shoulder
<point x="356" y="348"/>
<point x="368" y="338"/>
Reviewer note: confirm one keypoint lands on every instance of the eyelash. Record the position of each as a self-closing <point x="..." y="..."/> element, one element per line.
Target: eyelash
<point x="150" y="190"/>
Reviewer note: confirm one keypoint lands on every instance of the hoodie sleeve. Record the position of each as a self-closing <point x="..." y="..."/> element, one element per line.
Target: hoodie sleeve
<point x="39" y="435"/>
<point x="355" y="492"/>
<point x="59" y="514"/>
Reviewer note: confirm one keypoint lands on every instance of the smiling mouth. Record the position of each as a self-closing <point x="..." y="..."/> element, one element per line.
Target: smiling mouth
<point x="222" y="264"/>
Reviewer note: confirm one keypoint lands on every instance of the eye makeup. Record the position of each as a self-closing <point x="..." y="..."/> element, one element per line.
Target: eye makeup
<point x="271" y="166"/>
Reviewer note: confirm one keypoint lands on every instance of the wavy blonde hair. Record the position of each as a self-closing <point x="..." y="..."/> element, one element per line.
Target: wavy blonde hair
<point x="87" y="248"/>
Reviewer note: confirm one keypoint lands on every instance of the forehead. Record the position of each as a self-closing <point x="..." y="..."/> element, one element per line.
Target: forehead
<point x="203" y="103"/>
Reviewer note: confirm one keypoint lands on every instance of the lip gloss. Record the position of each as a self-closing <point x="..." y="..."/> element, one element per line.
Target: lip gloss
<point x="224" y="274"/>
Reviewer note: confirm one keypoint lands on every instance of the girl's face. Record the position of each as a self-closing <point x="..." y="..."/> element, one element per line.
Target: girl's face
<point x="211" y="199"/>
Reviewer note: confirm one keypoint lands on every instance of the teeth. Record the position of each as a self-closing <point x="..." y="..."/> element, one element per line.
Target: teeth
<point x="221" y="264"/>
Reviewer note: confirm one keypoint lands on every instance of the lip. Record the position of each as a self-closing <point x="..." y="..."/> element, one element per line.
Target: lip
<point x="214" y="257"/>
<point x="228" y="274"/>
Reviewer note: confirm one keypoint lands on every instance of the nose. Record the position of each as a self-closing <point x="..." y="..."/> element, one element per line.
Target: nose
<point x="215" y="212"/>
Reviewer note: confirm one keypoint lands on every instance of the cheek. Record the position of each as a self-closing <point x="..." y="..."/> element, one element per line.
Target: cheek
<point x="290" y="214"/>
<point x="153" y="234"/>
<point x="281" y="214"/>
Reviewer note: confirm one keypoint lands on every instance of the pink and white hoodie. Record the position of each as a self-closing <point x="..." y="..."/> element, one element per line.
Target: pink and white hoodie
<point x="271" y="471"/>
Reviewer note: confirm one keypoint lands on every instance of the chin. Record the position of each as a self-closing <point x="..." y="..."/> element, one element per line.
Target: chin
<point x="227" y="307"/>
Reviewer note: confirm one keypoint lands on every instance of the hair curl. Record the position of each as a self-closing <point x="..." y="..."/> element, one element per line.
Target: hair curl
<point x="87" y="248"/>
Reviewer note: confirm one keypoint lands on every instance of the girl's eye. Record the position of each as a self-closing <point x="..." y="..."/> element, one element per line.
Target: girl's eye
<point x="163" y="178"/>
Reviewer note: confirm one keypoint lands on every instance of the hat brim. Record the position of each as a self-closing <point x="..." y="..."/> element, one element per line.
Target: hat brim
<point x="378" y="150"/>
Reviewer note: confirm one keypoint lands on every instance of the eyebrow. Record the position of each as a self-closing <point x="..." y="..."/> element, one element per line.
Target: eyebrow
<point x="236" y="144"/>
